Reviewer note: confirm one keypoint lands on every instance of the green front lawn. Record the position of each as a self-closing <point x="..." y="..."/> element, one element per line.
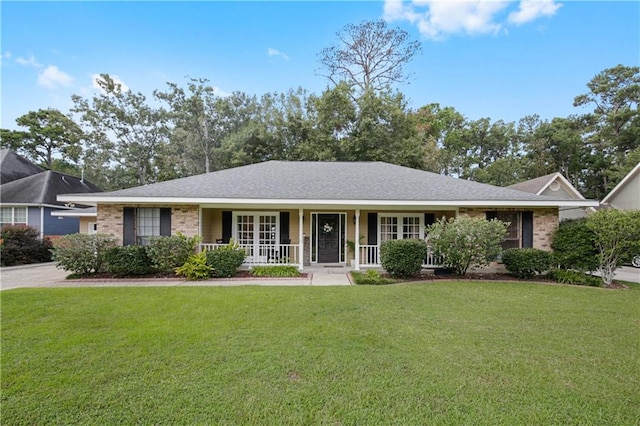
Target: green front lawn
<point x="434" y="353"/>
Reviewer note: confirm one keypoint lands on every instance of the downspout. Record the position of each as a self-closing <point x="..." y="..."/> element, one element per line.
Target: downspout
<point x="41" y="221"/>
<point x="301" y="239"/>
<point x="356" y="255"/>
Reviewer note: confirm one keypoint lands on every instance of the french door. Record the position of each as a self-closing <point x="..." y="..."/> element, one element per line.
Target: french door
<point x="258" y="234"/>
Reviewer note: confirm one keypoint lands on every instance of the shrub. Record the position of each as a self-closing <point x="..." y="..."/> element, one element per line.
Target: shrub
<point x="275" y="271"/>
<point x="196" y="267"/>
<point x="21" y="245"/>
<point x="403" y="258"/>
<point x="82" y="254"/>
<point x="466" y="242"/>
<point x="371" y="277"/>
<point x="168" y="253"/>
<point x="226" y="260"/>
<point x="127" y="260"/>
<point x="566" y="276"/>
<point x="526" y="262"/>
<point x="574" y="247"/>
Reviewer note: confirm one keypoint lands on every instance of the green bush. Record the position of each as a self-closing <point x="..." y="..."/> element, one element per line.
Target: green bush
<point x="466" y="242"/>
<point x="127" y="261"/>
<point x="275" y="271"/>
<point x="567" y="276"/>
<point x="403" y="258"/>
<point x="371" y="277"/>
<point x="168" y="253"/>
<point x="526" y="262"/>
<point x="574" y="246"/>
<point x="226" y="260"/>
<point x="196" y="267"/>
<point x="21" y="245"/>
<point x="82" y="254"/>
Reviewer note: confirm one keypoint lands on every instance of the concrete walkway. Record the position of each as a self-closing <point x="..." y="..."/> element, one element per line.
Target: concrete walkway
<point x="47" y="275"/>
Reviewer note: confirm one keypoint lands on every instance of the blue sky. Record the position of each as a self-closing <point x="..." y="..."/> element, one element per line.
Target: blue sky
<point x="502" y="60"/>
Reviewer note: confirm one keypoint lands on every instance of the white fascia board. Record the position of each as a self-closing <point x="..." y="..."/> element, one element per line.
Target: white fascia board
<point x="92" y="199"/>
<point x="568" y="186"/>
<point x="72" y="213"/>
<point x="622" y="183"/>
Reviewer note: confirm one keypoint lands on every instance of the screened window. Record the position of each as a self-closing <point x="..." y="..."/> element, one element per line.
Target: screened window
<point x="147" y="224"/>
<point x="513" y="230"/>
<point x="13" y="216"/>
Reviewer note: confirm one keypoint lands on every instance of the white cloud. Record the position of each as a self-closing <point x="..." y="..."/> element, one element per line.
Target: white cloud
<point x="29" y="62"/>
<point x="219" y="92"/>
<point x="271" y="52"/>
<point x="115" y="78"/>
<point x="51" y="76"/>
<point x="437" y="19"/>
<point x="533" y="9"/>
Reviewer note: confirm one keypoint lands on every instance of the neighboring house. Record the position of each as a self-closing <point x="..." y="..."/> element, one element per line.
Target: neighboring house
<point x="626" y="194"/>
<point x="305" y="212"/>
<point x="555" y="185"/>
<point x="28" y="195"/>
<point x="88" y="218"/>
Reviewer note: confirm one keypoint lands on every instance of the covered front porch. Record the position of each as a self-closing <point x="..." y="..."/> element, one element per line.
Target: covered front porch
<point x="308" y="237"/>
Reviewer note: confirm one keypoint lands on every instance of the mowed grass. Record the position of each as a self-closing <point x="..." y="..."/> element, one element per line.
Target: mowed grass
<point x="433" y="353"/>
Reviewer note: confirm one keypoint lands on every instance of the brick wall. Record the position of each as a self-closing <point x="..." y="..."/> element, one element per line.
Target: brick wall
<point x="545" y="222"/>
<point x="184" y="219"/>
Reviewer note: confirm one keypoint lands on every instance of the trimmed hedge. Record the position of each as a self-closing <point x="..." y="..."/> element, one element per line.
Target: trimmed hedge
<point x="168" y="253"/>
<point x="127" y="261"/>
<point x="275" y="271"/>
<point x="226" y="260"/>
<point x="21" y="245"/>
<point x="526" y="262"/>
<point x="403" y="258"/>
<point x="82" y="254"/>
<point x="574" y="246"/>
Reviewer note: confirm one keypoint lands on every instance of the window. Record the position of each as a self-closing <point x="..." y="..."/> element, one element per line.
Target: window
<point x="13" y="216"/>
<point x="513" y="230"/>
<point x="147" y="224"/>
<point x="400" y="227"/>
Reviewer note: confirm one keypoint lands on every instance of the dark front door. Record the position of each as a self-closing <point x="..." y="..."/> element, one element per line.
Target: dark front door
<point x="328" y="238"/>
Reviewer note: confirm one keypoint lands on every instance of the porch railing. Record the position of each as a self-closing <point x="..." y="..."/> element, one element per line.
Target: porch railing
<point x="370" y="256"/>
<point x="264" y="254"/>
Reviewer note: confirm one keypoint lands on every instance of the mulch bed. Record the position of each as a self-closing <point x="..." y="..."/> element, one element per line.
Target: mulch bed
<point x="241" y="275"/>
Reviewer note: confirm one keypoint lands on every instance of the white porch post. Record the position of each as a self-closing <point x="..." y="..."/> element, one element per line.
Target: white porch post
<point x="356" y="256"/>
<point x="301" y="239"/>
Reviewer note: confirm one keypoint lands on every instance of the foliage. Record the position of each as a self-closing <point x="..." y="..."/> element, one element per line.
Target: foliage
<point x="403" y="258"/>
<point x="526" y="262"/>
<point x="20" y="245"/>
<point x="369" y="56"/>
<point x="82" y="254"/>
<point x="466" y="242"/>
<point x="49" y="132"/>
<point x="571" y="277"/>
<point x="226" y="260"/>
<point x="574" y="246"/>
<point x="124" y="261"/>
<point x="275" y="271"/>
<point x="196" y="267"/>
<point x="371" y="277"/>
<point x="617" y="238"/>
<point x="169" y="252"/>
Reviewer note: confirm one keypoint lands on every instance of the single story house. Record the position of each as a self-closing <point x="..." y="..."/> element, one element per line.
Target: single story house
<point x="28" y="196"/>
<point x="626" y="194"/>
<point x="305" y="213"/>
<point x="556" y="185"/>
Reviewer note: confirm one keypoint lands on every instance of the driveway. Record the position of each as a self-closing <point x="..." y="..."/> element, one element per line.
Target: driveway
<point x="628" y="273"/>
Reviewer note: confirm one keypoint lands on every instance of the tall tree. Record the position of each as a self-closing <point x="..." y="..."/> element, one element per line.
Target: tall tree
<point x="49" y="133"/>
<point x="125" y="135"/>
<point x="369" y="56"/>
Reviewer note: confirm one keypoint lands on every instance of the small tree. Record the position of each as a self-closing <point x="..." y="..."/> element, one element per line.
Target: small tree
<point x="466" y="242"/>
<point x="617" y="238"/>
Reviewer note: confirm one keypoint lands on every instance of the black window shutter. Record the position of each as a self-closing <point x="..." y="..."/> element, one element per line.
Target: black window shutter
<point x="284" y="228"/>
<point x="227" y="224"/>
<point x="372" y="229"/>
<point x="128" y="226"/>
<point x="429" y="219"/>
<point x="492" y="215"/>
<point x="527" y="229"/>
<point x="165" y="222"/>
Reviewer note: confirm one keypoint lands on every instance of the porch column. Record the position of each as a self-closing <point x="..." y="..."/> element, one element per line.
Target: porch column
<point x="301" y="239"/>
<point x="356" y="255"/>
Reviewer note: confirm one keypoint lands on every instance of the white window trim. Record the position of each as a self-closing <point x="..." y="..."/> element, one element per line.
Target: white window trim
<point x="400" y="217"/>
<point x="256" y="217"/>
<point x="13" y="215"/>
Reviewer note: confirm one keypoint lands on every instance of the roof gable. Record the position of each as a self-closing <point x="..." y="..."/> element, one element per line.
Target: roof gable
<point x="548" y="185"/>
<point x="43" y="188"/>
<point x="629" y="180"/>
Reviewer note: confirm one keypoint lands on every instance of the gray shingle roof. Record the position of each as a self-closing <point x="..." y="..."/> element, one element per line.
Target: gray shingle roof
<point x="534" y="185"/>
<point x="14" y="167"/>
<point x="43" y="188"/>
<point x="301" y="180"/>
